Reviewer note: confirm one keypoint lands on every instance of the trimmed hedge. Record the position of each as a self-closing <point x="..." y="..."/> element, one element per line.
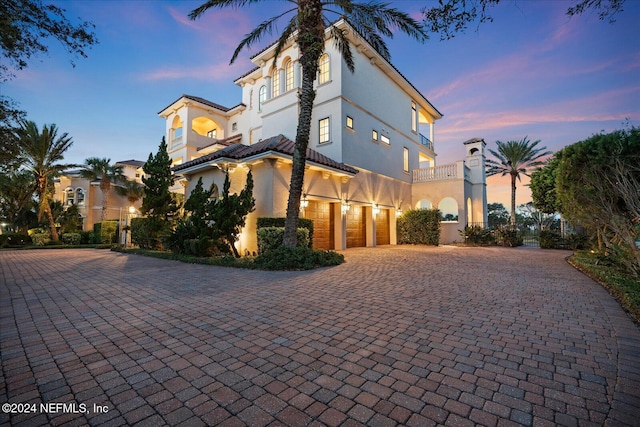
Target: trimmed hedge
<point x="149" y="232"/>
<point x="419" y="227"/>
<point x="298" y="258"/>
<point x="41" y="239"/>
<point x="14" y="240"/>
<point x="71" y="238"/>
<point x="270" y="238"/>
<point x="268" y="221"/>
<point x="106" y="231"/>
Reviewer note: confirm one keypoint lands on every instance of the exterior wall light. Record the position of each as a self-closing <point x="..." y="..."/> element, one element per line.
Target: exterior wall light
<point x="398" y="212"/>
<point x="376" y="209"/>
<point x="345" y="207"/>
<point x="304" y="202"/>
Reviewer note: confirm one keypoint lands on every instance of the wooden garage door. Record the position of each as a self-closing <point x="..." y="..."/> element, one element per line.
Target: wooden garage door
<point x="383" y="236"/>
<point x="356" y="227"/>
<point x="322" y="215"/>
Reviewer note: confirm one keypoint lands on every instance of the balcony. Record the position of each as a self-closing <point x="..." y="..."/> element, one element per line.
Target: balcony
<point x="426" y="142"/>
<point x="456" y="170"/>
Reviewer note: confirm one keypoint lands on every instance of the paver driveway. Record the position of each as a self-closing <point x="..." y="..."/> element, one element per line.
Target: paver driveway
<point x="396" y="336"/>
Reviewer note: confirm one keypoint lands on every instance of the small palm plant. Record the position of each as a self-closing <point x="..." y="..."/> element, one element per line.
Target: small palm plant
<point x="102" y="170"/>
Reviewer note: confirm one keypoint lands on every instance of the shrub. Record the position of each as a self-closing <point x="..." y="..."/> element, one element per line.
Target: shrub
<point x="508" y="237"/>
<point x="298" y="258"/>
<point x="270" y="238"/>
<point x="477" y="235"/>
<point x="87" y="237"/>
<point x="267" y="221"/>
<point x="41" y="239"/>
<point x="550" y="240"/>
<point x="577" y="241"/>
<point x="148" y="232"/>
<point x="14" y="240"/>
<point x="419" y="226"/>
<point x="106" y="231"/>
<point x="71" y="238"/>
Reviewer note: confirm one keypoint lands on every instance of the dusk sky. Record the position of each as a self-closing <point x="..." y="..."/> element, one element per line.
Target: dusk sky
<point x="532" y="72"/>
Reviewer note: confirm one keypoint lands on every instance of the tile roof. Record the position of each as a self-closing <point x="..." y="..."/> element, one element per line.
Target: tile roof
<point x="136" y="163"/>
<point x="277" y="144"/>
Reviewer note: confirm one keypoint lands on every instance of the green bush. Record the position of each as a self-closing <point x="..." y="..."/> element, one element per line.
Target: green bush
<point x="508" y="237"/>
<point x="577" y="241"/>
<point x="550" y="240"/>
<point x="87" y="238"/>
<point x="477" y="235"/>
<point x="149" y="232"/>
<point x="71" y="238"/>
<point x="267" y="221"/>
<point x="106" y="231"/>
<point x="14" y="240"/>
<point x="298" y="258"/>
<point x="419" y="227"/>
<point x="270" y="238"/>
<point x="41" y="239"/>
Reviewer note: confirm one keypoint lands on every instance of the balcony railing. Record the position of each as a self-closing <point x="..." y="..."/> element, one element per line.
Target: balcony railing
<point x="426" y="142"/>
<point x="456" y="170"/>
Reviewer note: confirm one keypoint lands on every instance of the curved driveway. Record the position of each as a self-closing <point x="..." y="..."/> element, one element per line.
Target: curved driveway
<point x="413" y="336"/>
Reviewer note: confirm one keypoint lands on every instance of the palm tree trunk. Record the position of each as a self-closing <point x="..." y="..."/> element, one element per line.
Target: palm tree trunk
<point x="105" y="200"/>
<point x="513" y="201"/>
<point x="311" y="44"/>
<point x="52" y="223"/>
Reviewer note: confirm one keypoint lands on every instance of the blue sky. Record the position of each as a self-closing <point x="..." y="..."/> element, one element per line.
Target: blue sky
<point x="532" y="72"/>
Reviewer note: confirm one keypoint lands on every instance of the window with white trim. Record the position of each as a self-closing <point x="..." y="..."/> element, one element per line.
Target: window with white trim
<point x="414" y="117"/>
<point x="288" y="71"/>
<point x="349" y="122"/>
<point x="275" y="82"/>
<point x="405" y="159"/>
<point x="385" y="139"/>
<point x="324" y="69"/>
<point x="262" y="97"/>
<point x="374" y="135"/>
<point x="324" y="130"/>
<point x="69" y="196"/>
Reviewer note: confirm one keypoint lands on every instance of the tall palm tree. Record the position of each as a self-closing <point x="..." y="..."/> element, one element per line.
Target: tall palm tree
<point x="101" y="169"/>
<point x="39" y="153"/>
<point x="514" y="158"/>
<point x="132" y="190"/>
<point x="308" y="22"/>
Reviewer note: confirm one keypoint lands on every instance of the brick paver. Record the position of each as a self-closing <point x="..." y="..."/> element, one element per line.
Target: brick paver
<point x="413" y="336"/>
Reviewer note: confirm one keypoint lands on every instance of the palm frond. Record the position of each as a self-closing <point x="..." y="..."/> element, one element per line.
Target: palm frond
<point x="266" y="27"/>
<point x="211" y="4"/>
<point x="342" y="43"/>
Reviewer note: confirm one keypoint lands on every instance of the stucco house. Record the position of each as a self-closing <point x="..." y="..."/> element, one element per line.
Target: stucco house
<point x="372" y="152"/>
<point x="72" y="189"/>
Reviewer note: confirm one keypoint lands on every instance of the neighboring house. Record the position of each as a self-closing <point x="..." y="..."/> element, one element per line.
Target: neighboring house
<point x="371" y="153"/>
<point x="72" y="189"/>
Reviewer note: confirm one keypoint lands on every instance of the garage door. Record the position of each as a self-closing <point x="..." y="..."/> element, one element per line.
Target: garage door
<point x="322" y="215"/>
<point x="383" y="237"/>
<point x="356" y="227"/>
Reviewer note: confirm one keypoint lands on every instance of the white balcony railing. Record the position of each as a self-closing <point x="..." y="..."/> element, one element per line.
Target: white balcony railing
<point x="439" y="173"/>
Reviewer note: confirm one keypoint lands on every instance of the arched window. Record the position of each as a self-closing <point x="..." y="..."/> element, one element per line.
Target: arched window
<point x="423" y="204"/>
<point x="288" y="71"/>
<point x="175" y="137"/>
<point x="262" y="97"/>
<point x="80" y="197"/>
<point x="69" y="197"/>
<point x="275" y="82"/>
<point x="449" y="209"/>
<point x="251" y="99"/>
<point x="324" y="71"/>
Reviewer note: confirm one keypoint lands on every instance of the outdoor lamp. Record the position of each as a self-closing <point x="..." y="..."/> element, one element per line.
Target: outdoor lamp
<point x="345" y="206"/>
<point x="304" y="202"/>
<point x="376" y="209"/>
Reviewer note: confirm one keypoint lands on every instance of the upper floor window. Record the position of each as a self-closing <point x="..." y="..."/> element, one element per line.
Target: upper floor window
<point x="374" y="135"/>
<point x="288" y="71"/>
<point x="69" y="196"/>
<point x="234" y="126"/>
<point x="414" y="117"/>
<point x="80" y="197"/>
<point x="262" y="97"/>
<point x="275" y="81"/>
<point x="324" y="130"/>
<point x="324" y="71"/>
<point x="385" y="139"/>
<point x="405" y="159"/>
<point x="213" y="133"/>
<point x="349" y="122"/>
<point x="251" y="99"/>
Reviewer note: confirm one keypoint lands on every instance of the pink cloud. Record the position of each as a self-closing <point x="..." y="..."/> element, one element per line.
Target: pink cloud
<point x="214" y="72"/>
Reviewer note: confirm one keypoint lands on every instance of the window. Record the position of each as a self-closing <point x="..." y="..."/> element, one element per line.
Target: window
<point x="349" y="122"/>
<point x="234" y="126"/>
<point x="251" y="99"/>
<point x="213" y="133"/>
<point x="275" y="82"/>
<point x="374" y="135"/>
<point x="80" y="196"/>
<point x="262" y="94"/>
<point x="288" y="71"/>
<point x="385" y="139"/>
<point x="324" y="130"/>
<point x="69" y="196"/>
<point x="405" y="154"/>
<point x="324" y="69"/>
<point x="414" y="117"/>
